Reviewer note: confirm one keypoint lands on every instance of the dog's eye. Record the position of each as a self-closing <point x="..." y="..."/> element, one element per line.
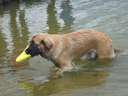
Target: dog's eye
<point x="32" y="43"/>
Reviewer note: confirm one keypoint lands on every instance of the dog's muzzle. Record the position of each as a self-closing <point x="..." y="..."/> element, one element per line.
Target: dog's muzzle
<point x="33" y="49"/>
<point x="30" y="51"/>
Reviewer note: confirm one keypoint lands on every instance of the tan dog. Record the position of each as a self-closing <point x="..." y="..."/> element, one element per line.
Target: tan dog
<point x="61" y="49"/>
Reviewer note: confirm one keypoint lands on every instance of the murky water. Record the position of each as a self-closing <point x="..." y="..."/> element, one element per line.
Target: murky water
<point x="20" y="20"/>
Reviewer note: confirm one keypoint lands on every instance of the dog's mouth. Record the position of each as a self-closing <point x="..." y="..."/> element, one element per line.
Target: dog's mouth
<point x="33" y="49"/>
<point x="30" y="51"/>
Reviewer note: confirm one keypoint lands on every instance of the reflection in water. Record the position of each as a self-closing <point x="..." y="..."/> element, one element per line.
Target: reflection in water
<point x="65" y="15"/>
<point x="89" y="77"/>
<point x="1" y="10"/>
<point x="3" y="43"/>
<point x="18" y="29"/>
<point x="20" y="35"/>
<point x="52" y="19"/>
<point x="13" y="24"/>
<point x="3" y="47"/>
<point x="15" y="34"/>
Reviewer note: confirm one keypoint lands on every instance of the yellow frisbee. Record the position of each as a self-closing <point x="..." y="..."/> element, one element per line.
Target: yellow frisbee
<point x="23" y="56"/>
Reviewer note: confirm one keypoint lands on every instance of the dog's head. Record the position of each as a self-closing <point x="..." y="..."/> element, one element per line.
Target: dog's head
<point x="40" y="44"/>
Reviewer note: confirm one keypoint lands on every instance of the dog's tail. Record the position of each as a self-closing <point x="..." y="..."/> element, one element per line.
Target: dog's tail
<point x="120" y="52"/>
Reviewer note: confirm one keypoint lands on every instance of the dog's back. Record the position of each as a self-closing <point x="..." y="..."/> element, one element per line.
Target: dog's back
<point x="83" y="41"/>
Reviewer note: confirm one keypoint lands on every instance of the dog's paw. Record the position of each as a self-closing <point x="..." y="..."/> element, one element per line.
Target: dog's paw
<point x="58" y="73"/>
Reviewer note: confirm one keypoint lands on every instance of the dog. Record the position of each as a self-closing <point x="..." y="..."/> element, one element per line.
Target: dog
<point x="62" y="49"/>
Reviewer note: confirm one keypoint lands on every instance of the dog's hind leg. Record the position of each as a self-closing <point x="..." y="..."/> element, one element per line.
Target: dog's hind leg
<point x="105" y="51"/>
<point x="90" y="55"/>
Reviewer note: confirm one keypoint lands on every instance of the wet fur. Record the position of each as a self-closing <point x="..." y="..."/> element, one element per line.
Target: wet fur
<point x="61" y="49"/>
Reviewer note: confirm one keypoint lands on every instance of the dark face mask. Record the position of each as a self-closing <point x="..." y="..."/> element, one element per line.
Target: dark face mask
<point x="33" y="49"/>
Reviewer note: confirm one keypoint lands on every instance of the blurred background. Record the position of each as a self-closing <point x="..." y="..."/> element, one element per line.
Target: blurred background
<point x="21" y="19"/>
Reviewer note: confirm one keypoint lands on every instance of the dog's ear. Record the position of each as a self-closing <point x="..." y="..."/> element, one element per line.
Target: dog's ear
<point x="47" y="42"/>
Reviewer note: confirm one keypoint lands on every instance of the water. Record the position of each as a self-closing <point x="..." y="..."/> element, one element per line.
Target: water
<point x="19" y="21"/>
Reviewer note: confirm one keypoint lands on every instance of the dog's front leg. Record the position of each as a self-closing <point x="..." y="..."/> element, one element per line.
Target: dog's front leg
<point x="63" y="68"/>
<point x="64" y="64"/>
